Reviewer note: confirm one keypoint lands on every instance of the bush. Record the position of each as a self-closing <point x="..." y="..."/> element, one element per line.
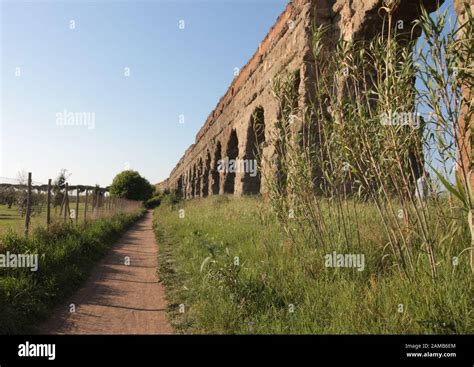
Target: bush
<point x="153" y="202"/>
<point x="170" y="198"/>
<point x="132" y="186"/>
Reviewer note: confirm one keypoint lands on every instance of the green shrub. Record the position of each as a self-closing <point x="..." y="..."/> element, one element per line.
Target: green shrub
<point x="153" y="202"/>
<point x="170" y="199"/>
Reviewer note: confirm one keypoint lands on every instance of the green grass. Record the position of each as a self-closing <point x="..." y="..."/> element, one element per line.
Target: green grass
<point x="273" y="278"/>
<point x="8" y="216"/>
<point x="10" y="219"/>
<point x="67" y="253"/>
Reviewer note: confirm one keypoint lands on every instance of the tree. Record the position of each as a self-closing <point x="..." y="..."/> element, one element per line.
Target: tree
<point x="7" y="196"/>
<point x="58" y="186"/>
<point x="130" y="185"/>
<point x="22" y="194"/>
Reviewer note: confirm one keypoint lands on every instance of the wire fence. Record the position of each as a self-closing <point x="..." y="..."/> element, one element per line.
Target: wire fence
<point x="24" y="202"/>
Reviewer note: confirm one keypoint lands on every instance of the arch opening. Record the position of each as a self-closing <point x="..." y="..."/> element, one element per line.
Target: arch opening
<point x="232" y="153"/>
<point x="193" y="181"/>
<point x="253" y="152"/>
<point x="198" y="178"/>
<point x="179" y="187"/>
<point x="215" y="174"/>
<point x="205" y="176"/>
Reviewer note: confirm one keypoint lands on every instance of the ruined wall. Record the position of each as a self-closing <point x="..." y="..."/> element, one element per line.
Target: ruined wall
<point x="228" y="130"/>
<point x="466" y="126"/>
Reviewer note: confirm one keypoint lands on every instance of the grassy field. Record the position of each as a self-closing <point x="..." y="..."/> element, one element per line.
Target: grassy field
<point x="228" y="268"/>
<point x="10" y="219"/>
<point x="66" y="254"/>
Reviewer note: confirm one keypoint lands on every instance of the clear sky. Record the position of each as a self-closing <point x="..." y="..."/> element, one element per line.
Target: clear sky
<point x="48" y="68"/>
<point x="72" y="56"/>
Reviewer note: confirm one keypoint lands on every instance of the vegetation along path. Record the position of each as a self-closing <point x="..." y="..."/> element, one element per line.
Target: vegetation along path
<point x="119" y="298"/>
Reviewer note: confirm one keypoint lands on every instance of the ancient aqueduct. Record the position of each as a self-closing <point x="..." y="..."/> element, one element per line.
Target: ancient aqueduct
<point x="229" y="131"/>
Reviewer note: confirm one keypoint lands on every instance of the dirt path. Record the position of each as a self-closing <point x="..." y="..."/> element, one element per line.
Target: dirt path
<point x="119" y="299"/>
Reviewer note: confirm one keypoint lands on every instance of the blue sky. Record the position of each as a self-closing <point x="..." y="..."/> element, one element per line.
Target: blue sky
<point x="173" y="72"/>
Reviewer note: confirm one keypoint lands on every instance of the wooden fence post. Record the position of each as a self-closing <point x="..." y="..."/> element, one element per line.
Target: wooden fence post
<point x="77" y="204"/>
<point x="66" y="201"/>
<point x="96" y="203"/>
<point x="28" y="205"/>
<point x="63" y="204"/>
<point x="48" y="208"/>
<point x="85" y="208"/>
<point x="101" y="204"/>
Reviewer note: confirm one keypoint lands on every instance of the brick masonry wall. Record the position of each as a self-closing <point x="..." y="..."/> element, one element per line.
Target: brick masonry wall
<point x="227" y="131"/>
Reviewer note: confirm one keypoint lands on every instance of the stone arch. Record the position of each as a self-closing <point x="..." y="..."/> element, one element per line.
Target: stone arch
<point x="198" y="177"/>
<point x="296" y="87"/>
<point x="205" y="175"/>
<point x="253" y="152"/>
<point x="179" y="186"/>
<point x="183" y="191"/>
<point x="186" y="184"/>
<point x="232" y="153"/>
<point x="215" y="174"/>
<point x="190" y="182"/>
<point x="193" y="181"/>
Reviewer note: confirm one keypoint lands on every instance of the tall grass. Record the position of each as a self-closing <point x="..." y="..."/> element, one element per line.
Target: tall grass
<point x="229" y="269"/>
<point x="361" y="140"/>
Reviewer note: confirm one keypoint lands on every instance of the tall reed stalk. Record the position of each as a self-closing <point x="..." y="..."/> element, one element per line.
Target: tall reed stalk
<point x="365" y="139"/>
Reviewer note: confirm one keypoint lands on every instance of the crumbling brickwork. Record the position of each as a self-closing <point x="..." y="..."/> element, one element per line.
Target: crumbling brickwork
<point x="230" y="130"/>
